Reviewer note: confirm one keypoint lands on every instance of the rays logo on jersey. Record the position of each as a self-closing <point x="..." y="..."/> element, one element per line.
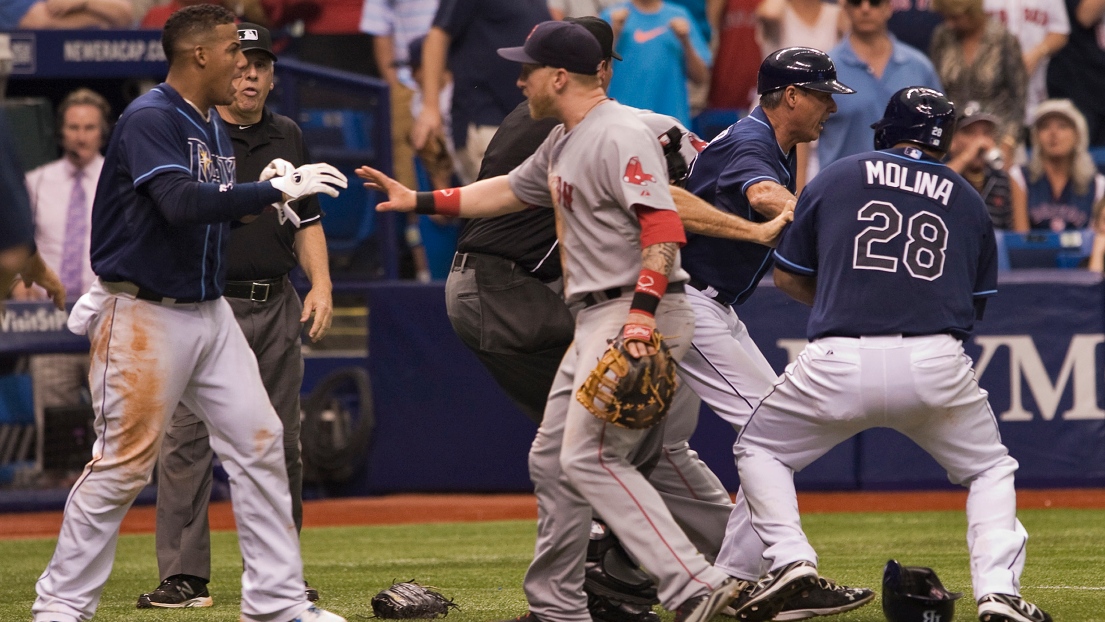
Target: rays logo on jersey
<point x="210" y="168"/>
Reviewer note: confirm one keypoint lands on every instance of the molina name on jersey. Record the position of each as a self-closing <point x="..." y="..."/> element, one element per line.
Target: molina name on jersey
<point x="891" y="221"/>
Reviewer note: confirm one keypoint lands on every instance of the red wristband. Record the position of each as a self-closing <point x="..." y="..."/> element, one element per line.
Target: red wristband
<point x="445" y="202"/>
<point x="650" y="289"/>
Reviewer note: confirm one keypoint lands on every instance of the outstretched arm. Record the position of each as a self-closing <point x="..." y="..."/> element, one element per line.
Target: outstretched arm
<point x="487" y="197"/>
<point x="801" y="288"/>
<point x="700" y="217"/>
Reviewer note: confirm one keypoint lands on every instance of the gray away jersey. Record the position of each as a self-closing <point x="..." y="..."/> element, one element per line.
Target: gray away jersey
<point x="594" y="175"/>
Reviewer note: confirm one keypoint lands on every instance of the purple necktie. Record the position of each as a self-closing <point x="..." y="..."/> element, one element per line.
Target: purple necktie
<point x="74" y="256"/>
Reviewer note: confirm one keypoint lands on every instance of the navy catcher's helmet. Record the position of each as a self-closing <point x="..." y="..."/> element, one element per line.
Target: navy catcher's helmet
<point x="805" y="67"/>
<point x="915" y="594"/>
<point x="917" y="115"/>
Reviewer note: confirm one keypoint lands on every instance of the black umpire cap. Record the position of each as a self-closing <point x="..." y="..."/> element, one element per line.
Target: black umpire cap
<point x="255" y="37"/>
<point x="805" y="67"/>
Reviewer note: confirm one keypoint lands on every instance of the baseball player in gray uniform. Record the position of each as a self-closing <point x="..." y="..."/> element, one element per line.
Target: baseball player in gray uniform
<point x="896" y="254"/>
<point x="619" y="233"/>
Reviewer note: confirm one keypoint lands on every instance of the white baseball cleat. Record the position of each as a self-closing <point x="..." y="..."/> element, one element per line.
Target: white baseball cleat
<point x="314" y="614"/>
<point x="702" y="608"/>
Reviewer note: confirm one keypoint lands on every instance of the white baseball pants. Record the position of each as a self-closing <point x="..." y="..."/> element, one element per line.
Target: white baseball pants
<point x="147" y="358"/>
<point x="923" y="387"/>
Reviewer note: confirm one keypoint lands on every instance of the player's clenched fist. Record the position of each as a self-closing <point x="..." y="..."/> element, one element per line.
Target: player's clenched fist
<point x="400" y="197"/>
<point x="310" y="179"/>
<point x="277" y="168"/>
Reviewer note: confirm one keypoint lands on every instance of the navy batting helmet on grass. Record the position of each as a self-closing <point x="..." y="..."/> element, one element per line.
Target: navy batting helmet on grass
<point x="805" y="67"/>
<point x="916" y="115"/>
<point x="915" y="594"/>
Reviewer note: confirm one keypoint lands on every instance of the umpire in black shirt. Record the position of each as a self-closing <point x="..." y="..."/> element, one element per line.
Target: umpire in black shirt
<point x="261" y="253"/>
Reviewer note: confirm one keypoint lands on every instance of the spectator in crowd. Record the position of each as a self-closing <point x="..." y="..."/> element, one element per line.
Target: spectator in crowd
<point x="255" y="11"/>
<point x="1097" y="252"/>
<point x="65" y="14"/>
<point x="260" y="254"/>
<point x="737" y="61"/>
<point x="1077" y="72"/>
<point x="394" y="24"/>
<point x="661" y="49"/>
<point x="1060" y="180"/>
<point x="61" y="194"/>
<point x="975" y="156"/>
<point x="808" y="23"/>
<point x="559" y="9"/>
<point x="978" y="60"/>
<point x="466" y="33"/>
<point x="876" y="64"/>
<point x="700" y="15"/>
<point x="913" y="22"/>
<point x="1042" y="28"/>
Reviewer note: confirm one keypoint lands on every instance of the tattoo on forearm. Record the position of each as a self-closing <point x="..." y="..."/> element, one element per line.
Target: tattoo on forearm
<point x="660" y="257"/>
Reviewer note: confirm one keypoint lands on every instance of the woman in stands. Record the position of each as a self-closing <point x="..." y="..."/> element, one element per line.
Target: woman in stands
<point x="1060" y="179"/>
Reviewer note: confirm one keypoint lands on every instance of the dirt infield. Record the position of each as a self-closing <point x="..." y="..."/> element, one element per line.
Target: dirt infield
<point x="423" y="508"/>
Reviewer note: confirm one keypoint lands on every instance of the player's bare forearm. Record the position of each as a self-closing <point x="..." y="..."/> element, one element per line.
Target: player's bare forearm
<point x="700" y="217"/>
<point x="484" y="198"/>
<point x="1089" y="12"/>
<point x="310" y="249"/>
<point x="660" y="257"/>
<point x="769" y="198"/>
<point x="801" y="288"/>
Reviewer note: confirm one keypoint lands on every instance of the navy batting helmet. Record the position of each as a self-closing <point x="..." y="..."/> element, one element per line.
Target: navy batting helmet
<point x="805" y="67"/>
<point x="915" y="594"/>
<point x="917" y="115"/>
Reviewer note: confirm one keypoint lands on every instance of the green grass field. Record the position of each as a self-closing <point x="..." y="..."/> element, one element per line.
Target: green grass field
<point x="481" y="565"/>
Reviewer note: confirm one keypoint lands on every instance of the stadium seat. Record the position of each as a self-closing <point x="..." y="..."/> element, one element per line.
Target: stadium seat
<point x="1043" y="249"/>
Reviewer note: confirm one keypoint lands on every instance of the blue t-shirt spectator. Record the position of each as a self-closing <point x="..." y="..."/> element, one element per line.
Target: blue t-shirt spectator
<point x="848" y="131"/>
<point x="652" y="73"/>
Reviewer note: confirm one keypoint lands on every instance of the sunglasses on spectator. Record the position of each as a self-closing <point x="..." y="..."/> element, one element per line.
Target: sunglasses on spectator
<point x="873" y="3"/>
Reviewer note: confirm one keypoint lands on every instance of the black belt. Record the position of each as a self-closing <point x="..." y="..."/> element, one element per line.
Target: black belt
<point x="255" y="291"/>
<point x="595" y="298"/>
<point x="141" y="293"/>
<point x="470" y="260"/>
<point x="702" y="286"/>
<point x="463" y="260"/>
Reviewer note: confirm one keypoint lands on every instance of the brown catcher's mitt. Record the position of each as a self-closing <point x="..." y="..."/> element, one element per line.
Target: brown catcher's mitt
<point x="629" y="392"/>
<point x="410" y="600"/>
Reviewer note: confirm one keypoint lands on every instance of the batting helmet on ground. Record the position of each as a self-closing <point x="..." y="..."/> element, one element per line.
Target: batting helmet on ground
<point x="916" y="115"/>
<point x="805" y="67"/>
<point x="915" y="594"/>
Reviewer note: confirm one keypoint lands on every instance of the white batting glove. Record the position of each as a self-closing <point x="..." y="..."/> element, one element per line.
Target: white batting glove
<point x="284" y="213"/>
<point x="277" y="168"/>
<point x="310" y="179"/>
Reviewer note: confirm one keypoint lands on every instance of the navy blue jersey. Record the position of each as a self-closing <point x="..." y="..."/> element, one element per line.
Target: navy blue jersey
<point x="16" y="226"/>
<point x="152" y="224"/>
<point x="744" y="154"/>
<point x="898" y="243"/>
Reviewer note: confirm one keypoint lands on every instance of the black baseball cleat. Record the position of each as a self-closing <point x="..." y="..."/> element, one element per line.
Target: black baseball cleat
<point x="702" y="608"/>
<point x="606" y="609"/>
<point x="765" y="600"/>
<point x="824" y="599"/>
<point x="1009" y="608"/>
<point x="177" y="592"/>
<point x="609" y="571"/>
<point x="312" y="593"/>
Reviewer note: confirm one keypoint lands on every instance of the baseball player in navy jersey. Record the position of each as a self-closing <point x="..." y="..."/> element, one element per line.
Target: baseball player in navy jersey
<point x="896" y="254"/>
<point x="163" y="335"/>
<point x="619" y="235"/>
<point x="748" y="170"/>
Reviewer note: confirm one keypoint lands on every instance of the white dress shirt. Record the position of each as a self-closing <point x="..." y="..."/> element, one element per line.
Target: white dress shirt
<point x="50" y="187"/>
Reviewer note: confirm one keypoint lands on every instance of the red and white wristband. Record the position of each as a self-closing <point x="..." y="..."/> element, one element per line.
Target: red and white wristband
<point x="444" y="202"/>
<point x="650" y="289"/>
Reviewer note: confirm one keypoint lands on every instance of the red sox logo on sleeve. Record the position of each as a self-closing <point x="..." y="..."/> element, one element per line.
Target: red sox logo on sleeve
<point x="634" y="174"/>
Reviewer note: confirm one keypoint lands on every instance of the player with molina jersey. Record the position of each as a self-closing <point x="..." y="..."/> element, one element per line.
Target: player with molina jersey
<point x="896" y="253"/>
<point x="162" y="335"/>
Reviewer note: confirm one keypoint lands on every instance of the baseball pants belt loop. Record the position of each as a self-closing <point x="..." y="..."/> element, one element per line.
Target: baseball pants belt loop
<point x="462" y="260"/>
<point x="708" y="290"/>
<point x="595" y="298"/>
<point x="260" y="290"/>
<point x="141" y="293"/>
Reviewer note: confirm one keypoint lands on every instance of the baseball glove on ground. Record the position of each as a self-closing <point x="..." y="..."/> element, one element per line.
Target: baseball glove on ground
<point x="410" y="600"/>
<point x="629" y="392"/>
